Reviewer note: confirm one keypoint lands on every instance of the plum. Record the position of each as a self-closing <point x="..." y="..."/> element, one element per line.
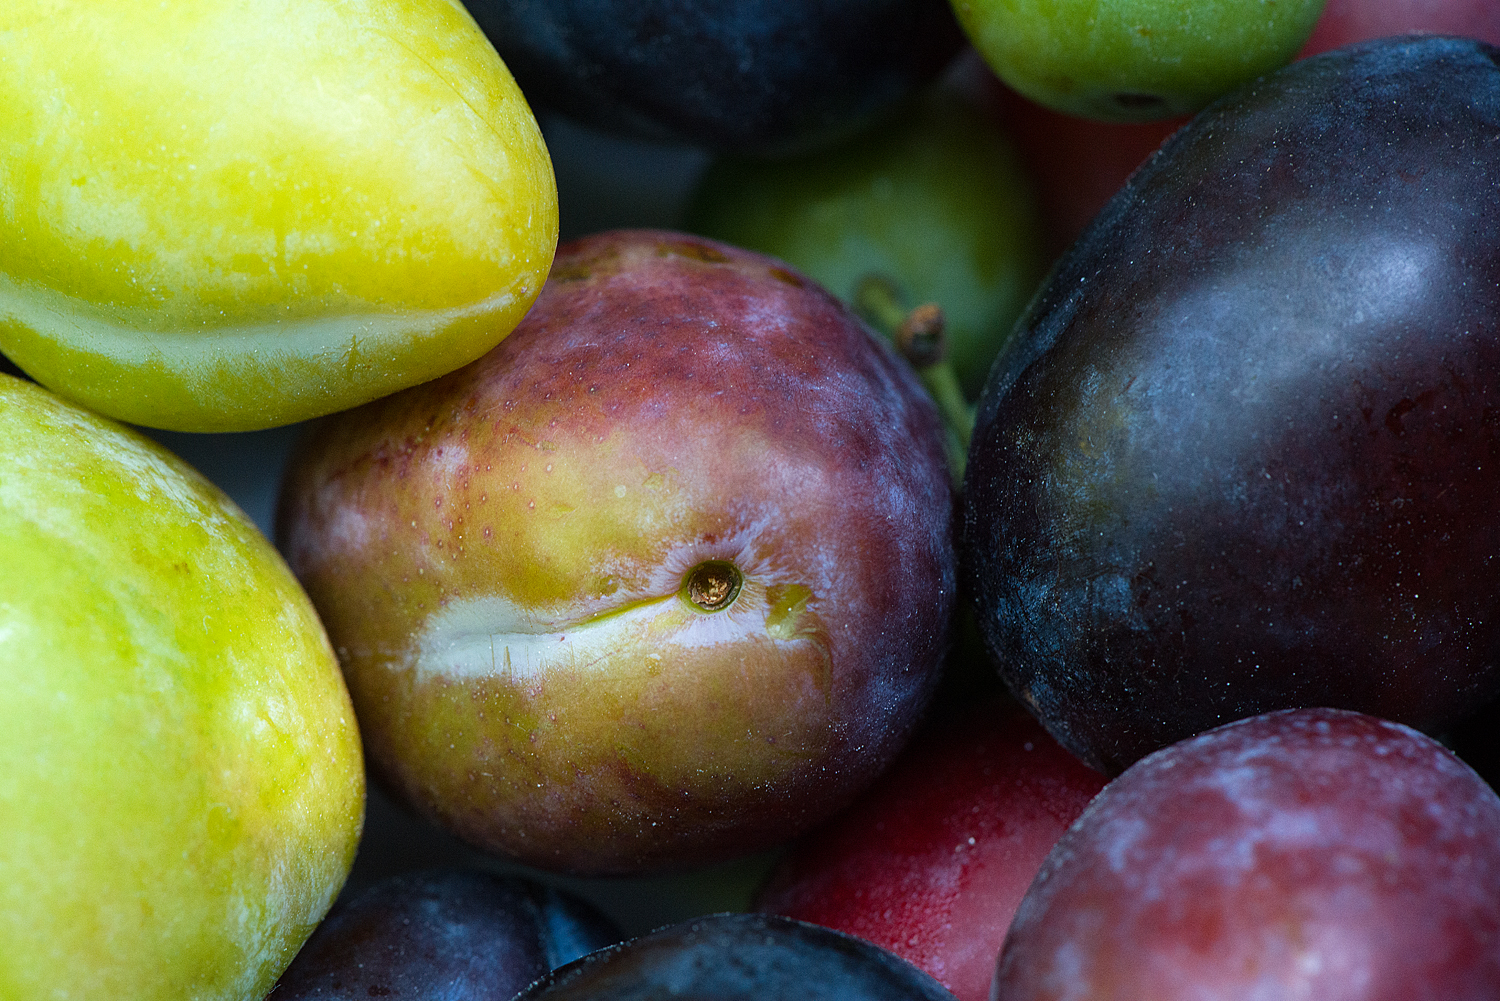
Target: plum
<point x="666" y="577"/>
<point x="181" y="783"/>
<point x="1344" y="22"/>
<point x="931" y="862"/>
<point x="444" y="935"/>
<point x="1244" y="453"/>
<point x="752" y="77"/>
<point x="226" y="216"/>
<point x="1134" y="60"/>
<point x="740" y="957"/>
<point x="1305" y="853"/>
<point x="934" y="200"/>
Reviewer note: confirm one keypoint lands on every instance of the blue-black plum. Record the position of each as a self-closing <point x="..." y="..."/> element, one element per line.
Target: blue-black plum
<point x="740" y="957"/>
<point x="1245" y="453"/>
<point x="444" y="935"/>
<point x="753" y="77"/>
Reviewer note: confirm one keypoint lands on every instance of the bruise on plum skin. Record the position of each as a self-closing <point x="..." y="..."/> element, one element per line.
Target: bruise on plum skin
<point x="558" y="518"/>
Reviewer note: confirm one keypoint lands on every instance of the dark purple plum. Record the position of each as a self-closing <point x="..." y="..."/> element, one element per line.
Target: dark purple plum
<point x="445" y="935"/>
<point x="753" y="77"/>
<point x="740" y="957"/>
<point x="1307" y="853"/>
<point x="1246" y="451"/>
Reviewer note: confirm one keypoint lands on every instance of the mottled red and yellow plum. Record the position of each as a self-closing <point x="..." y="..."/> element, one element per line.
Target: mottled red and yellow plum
<point x="664" y="578"/>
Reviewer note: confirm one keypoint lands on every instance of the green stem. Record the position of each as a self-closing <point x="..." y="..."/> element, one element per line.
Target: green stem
<point x="918" y="334"/>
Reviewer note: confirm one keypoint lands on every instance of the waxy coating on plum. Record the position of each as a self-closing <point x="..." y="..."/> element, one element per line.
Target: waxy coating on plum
<point x="932" y="860"/>
<point x="751" y="77"/>
<point x="740" y="957"/>
<point x="444" y="935"/>
<point x="664" y="578"/>
<point x="1306" y="853"/>
<point x="1244" y="455"/>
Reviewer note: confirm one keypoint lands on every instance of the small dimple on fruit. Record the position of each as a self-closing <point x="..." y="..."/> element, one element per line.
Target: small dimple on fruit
<point x="1136" y="102"/>
<point x="713" y="585"/>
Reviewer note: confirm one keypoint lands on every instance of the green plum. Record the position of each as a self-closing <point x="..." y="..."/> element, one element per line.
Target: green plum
<point x="222" y="216"/>
<point x="1134" y="60"/>
<point x="181" y="777"/>
<point x="936" y="200"/>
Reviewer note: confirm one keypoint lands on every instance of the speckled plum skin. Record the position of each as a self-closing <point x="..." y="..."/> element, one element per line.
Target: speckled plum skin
<point x="1307" y="853"/>
<point x="500" y="558"/>
<point x="1245" y="453"/>
<point x="932" y="860"/>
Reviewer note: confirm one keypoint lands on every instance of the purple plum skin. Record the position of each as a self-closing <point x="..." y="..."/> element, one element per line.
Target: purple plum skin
<point x="500" y="556"/>
<point x="1245" y="451"/>
<point x="443" y="935"/>
<point x="1306" y="853"/>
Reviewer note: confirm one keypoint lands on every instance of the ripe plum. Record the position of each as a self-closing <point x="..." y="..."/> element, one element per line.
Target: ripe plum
<point x="454" y="935"/>
<point x="932" y="861"/>
<point x="1244" y="454"/>
<point x="1344" y="22"/>
<point x="1307" y="853"/>
<point x="740" y="957"/>
<point x="665" y="578"/>
<point x="754" y="77"/>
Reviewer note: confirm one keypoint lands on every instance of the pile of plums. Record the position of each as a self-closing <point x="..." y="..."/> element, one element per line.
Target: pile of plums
<point x="1008" y="519"/>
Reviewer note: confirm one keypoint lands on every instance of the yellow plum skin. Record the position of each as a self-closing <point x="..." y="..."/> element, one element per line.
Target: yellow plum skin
<point x="181" y="777"/>
<point x="221" y="216"/>
<point x="502" y="557"/>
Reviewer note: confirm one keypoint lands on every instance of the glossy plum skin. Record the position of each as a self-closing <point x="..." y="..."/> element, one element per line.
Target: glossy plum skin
<point x="740" y="957"/>
<point x="751" y="77"/>
<point x="1245" y="453"/>
<point x="443" y="935"/>
<point x="931" y="862"/>
<point x="502" y="558"/>
<point x="1306" y="853"/>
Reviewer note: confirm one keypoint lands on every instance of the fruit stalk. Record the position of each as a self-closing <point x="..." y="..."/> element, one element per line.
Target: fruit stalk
<point x="918" y="335"/>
